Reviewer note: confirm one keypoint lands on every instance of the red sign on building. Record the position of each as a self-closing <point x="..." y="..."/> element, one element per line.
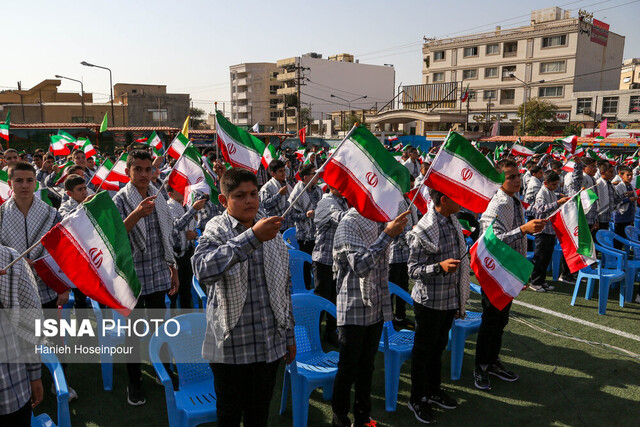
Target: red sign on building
<point x="599" y="32"/>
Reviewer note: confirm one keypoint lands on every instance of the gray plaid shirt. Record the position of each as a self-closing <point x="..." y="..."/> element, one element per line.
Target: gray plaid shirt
<point x="399" y="249"/>
<point x="270" y="202"/>
<point x="577" y="180"/>
<point x="436" y="291"/>
<point x="546" y="202"/>
<point x="330" y="210"/>
<point x="614" y="199"/>
<point x="315" y="194"/>
<point x="509" y="216"/>
<point x="254" y="338"/>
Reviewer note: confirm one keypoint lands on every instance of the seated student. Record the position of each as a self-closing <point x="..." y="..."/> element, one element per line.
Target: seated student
<point x="183" y="236"/>
<point x="546" y="202"/>
<point x="361" y="262"/>
<point x="275" y="193"/>
<point x="243" y="261"/>
<point x="625" y="212"/>
<point x="20" y="385"/>
<point x="438" y="264"/>
<point x="534" y="185"/>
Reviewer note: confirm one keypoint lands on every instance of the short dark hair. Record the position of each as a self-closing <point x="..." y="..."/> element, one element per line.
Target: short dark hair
<point x="49" y="156"/>
<point x="529" y="164"/>
<point x="75" y="168"/>
<point x="76" y="151"/>
<point x="624" y="168"/>
<point x="555" y="164"/>
<point x="551" y="176"/>
<point x="138" y="155"/>
<point x="233" y="177"/>
<point x="10" y="150"/>
<point x="506" y="163"/>
<point x="21" y="166"/>
<point x="436" y="196"/>
<point x="588" y="161"/>
<point x="535" y="169"/>
<point x="604" y="167"/>
<point x="275" y="165"/>
<point x="307" y="169"/>
<point x="72" y="181"/>
<point x="37" y="156"/>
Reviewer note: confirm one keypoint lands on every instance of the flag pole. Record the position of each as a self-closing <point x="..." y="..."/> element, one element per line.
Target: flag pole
<point x="320" y="170"/>
<point x="22" y="255"/>
<point x="418" y="191"/>
<point x="166" y="178"/>
<point x="215" y="108"/>
<point x="105" y="178"/>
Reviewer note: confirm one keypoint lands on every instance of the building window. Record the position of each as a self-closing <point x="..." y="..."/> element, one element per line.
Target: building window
<point x="470" y="51"/>
<point x="634" y="104"/>
<point x="273" y="103"/>
<point x="610" y="105"/>
<point x="492" y="49"/>
<point x="158" y="115"/>
<point x="583" y="106"/>
<point x="510" y="49"/>
<point x="234" y="76"/>
<point x="438" y="56"/>
<point x="489" y="94"/>
<point x="273" y="89"/>
<point x="507" y="96"/>
<point x="490" y="73"/>
<point x="551" y="92"/>
<point x="553" y="67"/>
<point x="507" y="71"/>
<point x="273" y="116"/>
<point x="554" y="41"/>
<point x="438" y="77"/>
<point x="473" y="95"/>
<point x="469" y="74"/>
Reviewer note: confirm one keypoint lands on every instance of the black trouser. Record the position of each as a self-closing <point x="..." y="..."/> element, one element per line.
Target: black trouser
<point x="307" y="246"/>
<point x="153" y="300"/>
<point x="244" y="391"/>
<point x="358" y="348"/>
<point x="80" y="298"/>
<point x="432" y="335"/>
<point x="399" y="274"/>
<point x="185" y="275"/>
<point x="542" y="255"/>
<point x="325" y="286"/>
<point x="20" y="418"/>
<point x="619" y="230"/>
<point x="490" y="334"/>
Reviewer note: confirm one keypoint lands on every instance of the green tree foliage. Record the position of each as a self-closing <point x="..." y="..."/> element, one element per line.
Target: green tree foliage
<point x="540" y="113"/>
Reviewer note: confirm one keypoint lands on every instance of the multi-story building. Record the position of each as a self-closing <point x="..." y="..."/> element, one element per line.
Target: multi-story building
<point x="551" y="58"/>
<point x="254" y="97"/>
<point x="151" y="105"/>
<point x="617" y="106"/>
<point x="324" y="85"/>
<point x="630" y="74"/>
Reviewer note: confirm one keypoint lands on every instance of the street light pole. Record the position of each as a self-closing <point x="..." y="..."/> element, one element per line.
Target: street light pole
<point x="349" y="102"/>
<point x="84" y="117"/>
<point x="86" y="64"/>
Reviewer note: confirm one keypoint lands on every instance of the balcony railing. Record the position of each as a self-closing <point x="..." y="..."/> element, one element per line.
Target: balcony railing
<point x="287" y="91"/>
<point x="508" y="101"/>
<point x="510" y="54"/>
<point x="283" y="77"/>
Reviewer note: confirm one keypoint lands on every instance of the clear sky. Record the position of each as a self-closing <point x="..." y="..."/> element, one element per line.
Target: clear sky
<point x="189" y="45"/>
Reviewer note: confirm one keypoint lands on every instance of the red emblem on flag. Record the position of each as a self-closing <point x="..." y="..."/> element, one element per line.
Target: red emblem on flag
<point x="231" y="148"/>
<point x="372" y="179"/>
<point x="489" y="263"/>
<point x="96" y="256"/>
<point x="466" y="174"/>
<point x="575" y="232"/>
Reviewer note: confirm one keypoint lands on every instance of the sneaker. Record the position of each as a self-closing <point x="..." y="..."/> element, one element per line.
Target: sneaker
<point x="638" y="298"/>
<point x="73" y="395"/>
<point x="442" y="400"/>
<point x="423" y="412"/>
<point x="536" y="288"/>
<point x="481" y="379"/>
<point x="547" y="287"/>
<point x="135" y="396"/>
<point x="568" y="279"/>
<point x="498" y="369"/>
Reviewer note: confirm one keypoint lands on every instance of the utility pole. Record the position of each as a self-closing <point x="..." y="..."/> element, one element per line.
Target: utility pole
<point x="299" y="70"/>
<point x="21" y="102"/>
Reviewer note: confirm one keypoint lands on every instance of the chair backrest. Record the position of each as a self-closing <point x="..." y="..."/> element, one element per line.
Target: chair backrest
<point x="306" y="312"/>
<point x="186" y="347"/>
<point x="633" y="233"/>
<point x="290" y="240"/>
<point x="400" y="293"/>
<point x="296" y="269"/>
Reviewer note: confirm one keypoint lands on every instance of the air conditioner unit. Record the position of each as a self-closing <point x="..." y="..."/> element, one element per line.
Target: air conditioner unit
<point x="586" y="111"/>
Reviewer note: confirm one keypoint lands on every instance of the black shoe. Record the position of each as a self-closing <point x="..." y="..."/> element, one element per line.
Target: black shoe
<point x="498" y="369"/>
<point x="548" y="287"/>
<point x="442" y="400"/>
<point x="422" y="412"/>
<point x="481" y="379"/>
<point x="340" y="422"/>
<point x="569" y="278"/>
<point x="135" y="396"/>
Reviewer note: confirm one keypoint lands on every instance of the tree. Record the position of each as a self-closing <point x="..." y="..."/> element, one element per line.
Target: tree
<point x="197" y="119"/>
<point x="540" y="112"/>
<point x="572" y="129"/>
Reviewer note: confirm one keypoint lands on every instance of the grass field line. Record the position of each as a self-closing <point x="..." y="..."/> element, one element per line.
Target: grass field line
<point x="580" y="321"/>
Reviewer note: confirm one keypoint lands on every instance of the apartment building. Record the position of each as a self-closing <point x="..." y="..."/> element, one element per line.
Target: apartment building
<point x="254" y="96"/>
<point x="617" y="106"/>
<point x="630" y="74"/>
<point x="553" y="57"/>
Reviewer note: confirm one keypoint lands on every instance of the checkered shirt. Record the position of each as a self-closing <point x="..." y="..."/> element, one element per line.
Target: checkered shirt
<point x="275" y="204"/>
<point x="508" y="214"/>
<point x="546" y="202"/>
<point x="355" y="264"/>
<point x="330" y="210"/>
<point x="399" y="249"/>
<point x="300" y="218"/>
<point x="614" y="199"/>
<point x="150" y="265"/>
<point x="254" y="337"/>
<point x="67" y="207"/>
<point x="436" y="291"/>
<point x="574" y="182"/>
<point x="183" y="220"/>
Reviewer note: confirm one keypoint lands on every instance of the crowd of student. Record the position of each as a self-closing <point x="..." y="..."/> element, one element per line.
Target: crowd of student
<point x="242" y="261"/>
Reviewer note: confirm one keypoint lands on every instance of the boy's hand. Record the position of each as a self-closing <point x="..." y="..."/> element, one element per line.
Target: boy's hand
<point x="563" y="201"/>
<point x="290" y="355"/>
<point x="533" y="226"/>
<point x="450" y="265"/>
<point x="283" y="190"/>
<point x="146" y="207"/>
<point x="191" y="235"/>
<point x="267" y="228"/>
<point x="175" y="283"/>
<point x="62" y="299"/>
<point x="199" y="204"/>
<point x="37" y="393"/>
<point x="395" y="227"/>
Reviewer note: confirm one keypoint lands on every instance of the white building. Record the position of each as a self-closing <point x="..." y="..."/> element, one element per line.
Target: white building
<point x="254" y="97"/>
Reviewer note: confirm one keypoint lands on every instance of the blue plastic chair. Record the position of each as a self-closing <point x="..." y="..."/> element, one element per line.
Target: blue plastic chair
<point x="458" y="334"/>
<point x="312" y="367"/>
<point x="605" y="277"/>
<point x="556" y="259"/>
<point x="290" y="240"/>
<point x="195" y="400"/>
<point x="633" y="233"/>
<point x="531" y="253"/>
<point x="397" y="347"/>
<point x="631" y="266"/>
<point x="296" y="269"/>
<point x="62" y="395"/>
<point x="111" y="338"/>
<point x="198" y="296"/>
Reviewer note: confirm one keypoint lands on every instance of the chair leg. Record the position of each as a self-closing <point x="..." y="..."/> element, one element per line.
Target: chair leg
<point x="286" y="383"/>
<point x="106" y="364"/>
<point x="457" y="352"/>
<point x="589" y="293"/>
<point x="576" y="288"/>
<point x="629" y="284"/>
<point x="391" y="380"/>
<point x="555" y="264"/>
<point x="300" y="401"/>
<point x="603" y="295"/>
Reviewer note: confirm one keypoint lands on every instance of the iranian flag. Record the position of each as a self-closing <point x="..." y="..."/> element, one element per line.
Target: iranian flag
<point x="502" y="271"/>
<point x="467" y="229"/>
<point x="521" y="150"/>
<point x="570" y="223"/>
<point x="63" y="171"/>
<point x="177" y="146"/>
<point x="569" y="143"/>
<point x="188" y="175"/>
<point x="92" y="249"/>
<point x="117" y="172"/>
<point x="155" y="143"/>
<point x="99" y="178"/>
<point x="463" y="174"/>
<point x="393" y="139"/>
<point x="42" y="194"/>
<point x="87" y="147"/>
<point x="367" y="175"/>
<point x="238" y="146"/>
<point x="421" y="198"/>
<point x="5" y="190"/>
<point x="569" y="166"/>
<point x="4" y="132"/>
<point x="51" y="274"/>
<point x="268" y="155"/>
<point x="58" y="145"/>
